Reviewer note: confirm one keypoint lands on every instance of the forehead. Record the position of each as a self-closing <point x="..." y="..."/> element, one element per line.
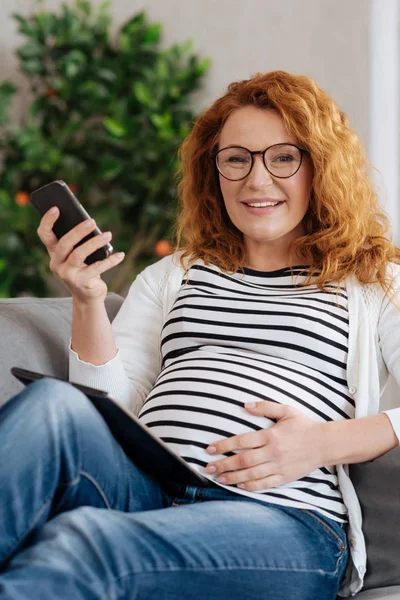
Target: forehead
<point x="254" y="128"/>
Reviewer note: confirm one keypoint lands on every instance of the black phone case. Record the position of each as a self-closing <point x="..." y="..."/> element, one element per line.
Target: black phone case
<point x="72" y="213"/>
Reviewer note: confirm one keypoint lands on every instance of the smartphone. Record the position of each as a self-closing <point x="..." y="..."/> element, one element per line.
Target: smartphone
<point x="72" y="213"/>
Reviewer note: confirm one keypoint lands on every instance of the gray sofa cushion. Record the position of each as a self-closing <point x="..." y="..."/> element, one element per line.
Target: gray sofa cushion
<point x="377" y="485"/>
<point x="34" y="334"/>
<point x="388" y="593"/>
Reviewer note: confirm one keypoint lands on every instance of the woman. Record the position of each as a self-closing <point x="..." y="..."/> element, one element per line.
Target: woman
<point x="281" y="293"/>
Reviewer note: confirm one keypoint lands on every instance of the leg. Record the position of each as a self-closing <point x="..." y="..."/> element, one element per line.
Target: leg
<point x="58" y="454"/>
<point x="215" y="549"/>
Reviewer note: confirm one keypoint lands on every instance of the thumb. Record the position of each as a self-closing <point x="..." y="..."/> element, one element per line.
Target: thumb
<point x="267" y="408"/>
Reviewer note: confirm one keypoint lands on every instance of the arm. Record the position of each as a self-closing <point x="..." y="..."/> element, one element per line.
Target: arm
<point x="357" y="440"/>
<point x="364" y="439"/>
<point x="92" y="336"/>
<point x="135" y="335"/>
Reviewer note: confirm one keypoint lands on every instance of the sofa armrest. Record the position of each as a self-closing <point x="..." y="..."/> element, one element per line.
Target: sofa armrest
<point x="34" y="334"/>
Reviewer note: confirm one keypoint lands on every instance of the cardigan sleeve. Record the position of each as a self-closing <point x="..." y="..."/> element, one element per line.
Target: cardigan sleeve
<point x="131" y="374"/>
<point x="389" y="340"/>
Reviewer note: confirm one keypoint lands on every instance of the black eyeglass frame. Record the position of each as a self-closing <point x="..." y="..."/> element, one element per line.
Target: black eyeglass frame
<point x="262" y="152"/>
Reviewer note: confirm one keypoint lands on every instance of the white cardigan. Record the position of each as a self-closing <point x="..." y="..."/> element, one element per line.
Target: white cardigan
<point x="373" y="353"/>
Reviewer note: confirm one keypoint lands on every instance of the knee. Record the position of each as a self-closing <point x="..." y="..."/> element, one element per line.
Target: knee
<point x="80" y="527"/>
<point x="47" y="397"/>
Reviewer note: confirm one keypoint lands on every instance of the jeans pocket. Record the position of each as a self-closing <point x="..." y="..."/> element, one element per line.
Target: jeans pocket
<point x="336" y="537"/>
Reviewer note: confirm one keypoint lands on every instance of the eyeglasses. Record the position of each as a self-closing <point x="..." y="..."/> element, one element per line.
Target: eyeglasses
<point x="281" y="160"/>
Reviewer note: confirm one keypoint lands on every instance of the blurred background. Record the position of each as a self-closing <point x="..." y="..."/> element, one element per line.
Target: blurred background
<point x="102" y="94"/>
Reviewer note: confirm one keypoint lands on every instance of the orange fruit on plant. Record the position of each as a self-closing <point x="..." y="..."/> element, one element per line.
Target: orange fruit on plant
<point x="163" y="248"/>
<point x="21" y="198"/>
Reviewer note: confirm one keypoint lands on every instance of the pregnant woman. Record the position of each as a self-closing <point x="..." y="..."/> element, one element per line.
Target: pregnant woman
<point x="257" y="352"/>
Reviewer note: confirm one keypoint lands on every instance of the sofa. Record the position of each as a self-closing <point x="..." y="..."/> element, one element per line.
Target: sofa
<point x="34" y="334"/>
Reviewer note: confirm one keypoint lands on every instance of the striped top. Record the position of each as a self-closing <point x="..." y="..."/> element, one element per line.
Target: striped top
<point x="236" y="338"/>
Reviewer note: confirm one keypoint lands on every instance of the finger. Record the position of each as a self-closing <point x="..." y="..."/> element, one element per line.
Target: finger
<point x="80" y="253"/>
<point x="267" y="408"/>
<point x="45" y="229"/>
<point x="245" y="475"/>
<point x="239" y="462"/>
<point x="67" y="243"/>
<point x="264" y="483"/>
<point x="94" y="270"/>
<point x="253" y="439"/>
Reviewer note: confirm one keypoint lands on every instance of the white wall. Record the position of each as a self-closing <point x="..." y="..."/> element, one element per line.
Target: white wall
<point x="326" y="39"/>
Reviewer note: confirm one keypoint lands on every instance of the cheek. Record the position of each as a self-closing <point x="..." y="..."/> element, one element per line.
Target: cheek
<point x="229" y="190"/>
<point x="299" y="191"/>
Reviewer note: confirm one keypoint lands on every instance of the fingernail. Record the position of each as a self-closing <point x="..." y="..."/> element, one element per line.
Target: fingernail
<point x="53" y="210"/>
<point x="250" y="405"/>
<point x="89" y="223"/>
<point x="211" y="469"/>
<point x="106" y="235"/>
<point x="211" y="449"/>
<point x="221" y="479"/>
<point x="119" y="255"/>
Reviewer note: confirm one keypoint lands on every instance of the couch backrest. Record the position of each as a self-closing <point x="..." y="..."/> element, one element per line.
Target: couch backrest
<point x="35" y="334"/>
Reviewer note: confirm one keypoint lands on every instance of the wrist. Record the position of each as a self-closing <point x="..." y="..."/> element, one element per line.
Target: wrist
<point x="344" y="442"/>
<point x="84" y="304"/>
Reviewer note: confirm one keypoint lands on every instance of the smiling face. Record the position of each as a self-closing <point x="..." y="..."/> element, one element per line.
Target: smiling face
<point x="267" y="231"/>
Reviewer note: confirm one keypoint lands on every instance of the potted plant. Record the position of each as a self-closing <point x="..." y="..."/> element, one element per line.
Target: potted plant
<point x="107" y="117"/>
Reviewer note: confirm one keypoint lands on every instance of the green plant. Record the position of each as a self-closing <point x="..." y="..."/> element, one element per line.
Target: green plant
<point x="107" y="118"/>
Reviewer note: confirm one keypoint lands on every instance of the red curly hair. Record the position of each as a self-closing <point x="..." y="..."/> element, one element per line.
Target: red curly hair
<point x="346" y="229"/>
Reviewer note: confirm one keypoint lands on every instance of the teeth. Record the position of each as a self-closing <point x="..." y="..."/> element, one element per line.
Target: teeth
<point x="263" y="204"/>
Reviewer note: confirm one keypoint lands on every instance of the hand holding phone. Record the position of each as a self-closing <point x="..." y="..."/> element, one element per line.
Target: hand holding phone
<point x="79" y="252"/>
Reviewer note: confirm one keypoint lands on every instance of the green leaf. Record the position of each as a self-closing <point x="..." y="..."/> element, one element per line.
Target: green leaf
<point x="110" y="167"/>
<point x="203" y="66"/>
<point x="84" y="6"/>
<point x="33" y="67"/>
<point x="28" y="51"/>
<point x="7" y="91"/>
<point x="46" y="23"/>
<point x="94" y="90"/>
<point x="25" y="27"/>
<point x="142" y="93"/>
<point x="107" y="75"/>
<point x="153" y="33"/>
<point x="114" y="127"/>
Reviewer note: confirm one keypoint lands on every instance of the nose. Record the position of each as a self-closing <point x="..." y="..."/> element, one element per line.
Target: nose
<point x="259" y="176"/>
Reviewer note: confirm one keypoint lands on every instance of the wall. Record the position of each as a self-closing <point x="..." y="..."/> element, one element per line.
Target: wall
<point x="326" y="39"/>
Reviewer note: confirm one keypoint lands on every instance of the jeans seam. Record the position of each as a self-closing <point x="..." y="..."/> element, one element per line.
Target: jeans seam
<point x="342" y="545"/>
<point x="98" y="488"/>
<point x="326" y="526"/>
<point x="173" y="569"/>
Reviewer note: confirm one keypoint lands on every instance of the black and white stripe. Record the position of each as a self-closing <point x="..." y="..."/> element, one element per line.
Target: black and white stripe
<point x="233" y="338"/>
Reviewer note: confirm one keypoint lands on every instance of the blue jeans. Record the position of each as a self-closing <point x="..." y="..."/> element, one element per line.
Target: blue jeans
<point x="79" y="521"/>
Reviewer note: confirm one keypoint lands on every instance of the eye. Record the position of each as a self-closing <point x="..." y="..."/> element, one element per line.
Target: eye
<point x="237" y="159"/>
<point x="283" y="158"/>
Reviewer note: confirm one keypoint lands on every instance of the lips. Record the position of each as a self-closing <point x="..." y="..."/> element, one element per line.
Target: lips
<point x="262" y="201"/>
<point x="262" y="210"/>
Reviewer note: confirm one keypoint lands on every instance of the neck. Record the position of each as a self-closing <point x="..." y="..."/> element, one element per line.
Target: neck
<point x="273" y="255"/>
<point x="258" y="262"/>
